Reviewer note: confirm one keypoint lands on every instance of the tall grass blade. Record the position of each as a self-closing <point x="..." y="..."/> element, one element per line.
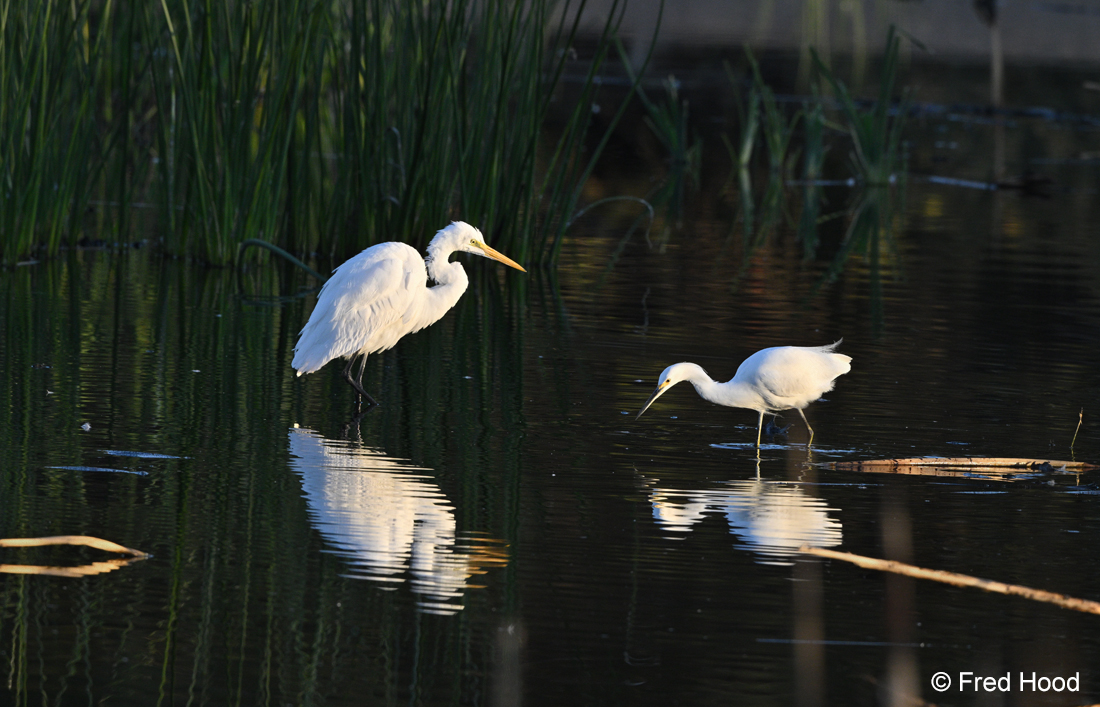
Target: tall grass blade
<point x="319" y="127"/>
<point x="875" y="133"/>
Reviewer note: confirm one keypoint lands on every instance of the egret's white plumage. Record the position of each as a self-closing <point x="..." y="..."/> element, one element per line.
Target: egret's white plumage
<point x="779" y="378"/>
<point x="382" y="294"/>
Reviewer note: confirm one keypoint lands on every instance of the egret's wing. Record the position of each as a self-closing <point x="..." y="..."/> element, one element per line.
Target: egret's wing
<point x="792" y="376"/>
<point x="363" y="306"/>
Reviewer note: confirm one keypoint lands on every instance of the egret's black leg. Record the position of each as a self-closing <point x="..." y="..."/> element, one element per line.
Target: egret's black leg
<point x="347" y="376"/>
<point x="359" y="380"/>
<point x="357" y="383"/>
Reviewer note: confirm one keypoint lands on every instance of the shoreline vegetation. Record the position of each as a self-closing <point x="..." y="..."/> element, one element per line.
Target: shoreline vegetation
<point x="316" y="130"/>
<point x="318" y="127"/>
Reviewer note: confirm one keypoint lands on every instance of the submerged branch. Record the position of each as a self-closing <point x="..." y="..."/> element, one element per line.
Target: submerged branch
<point x="959" y="580"/>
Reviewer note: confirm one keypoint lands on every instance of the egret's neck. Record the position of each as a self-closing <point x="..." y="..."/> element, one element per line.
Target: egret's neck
<point x="693" y="373"/>
<point x="449" y="278"/>
<point x="732" y="393"/>
<point x="707" y="387"/>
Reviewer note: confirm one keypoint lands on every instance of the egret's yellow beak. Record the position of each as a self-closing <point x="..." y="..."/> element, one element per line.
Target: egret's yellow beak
<point x="499" y="257"/>
<point x="661" y="389"/>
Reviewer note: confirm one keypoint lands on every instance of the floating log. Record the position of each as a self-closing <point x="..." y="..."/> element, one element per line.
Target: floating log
<point x="959" y="580"/>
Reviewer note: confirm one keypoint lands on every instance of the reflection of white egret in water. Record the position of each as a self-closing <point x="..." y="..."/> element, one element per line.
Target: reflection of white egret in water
<point x="773" y="519"/>
<point x="388" y="519"/>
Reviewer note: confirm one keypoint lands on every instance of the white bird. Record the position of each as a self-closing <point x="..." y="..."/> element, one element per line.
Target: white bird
<point x="382" y="294"/>
<point x="779" y="378"/>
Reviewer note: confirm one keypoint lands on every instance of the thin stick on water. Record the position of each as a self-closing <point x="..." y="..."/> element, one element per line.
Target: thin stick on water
<point x="959" y="580"/>
<point x="1080" y="418"/>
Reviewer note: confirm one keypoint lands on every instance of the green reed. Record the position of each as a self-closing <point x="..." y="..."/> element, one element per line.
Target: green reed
<point x="762" y="120"/>
<point x="318" y="127"/>
<point x="741" y="155"/>
<point x="441" y="112"/>
<point x="813" y="162"/>
<point x="567" y="169"/>
<point x="777" y="131"/>
<point x="877" y="156"/>
<point x="227" y="87"/>
<point x="49" y="148"/>
<point x="874" y="132"/>
<point x="669" y="122"/>
<point x="878" y="163"/>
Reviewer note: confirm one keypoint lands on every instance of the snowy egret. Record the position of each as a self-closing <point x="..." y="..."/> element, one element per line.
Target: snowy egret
<point x="779" y="378"/>
<point x="380" y="295"/>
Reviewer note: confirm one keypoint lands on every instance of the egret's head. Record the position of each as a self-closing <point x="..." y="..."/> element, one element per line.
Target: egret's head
<point x="669" y="377"/>
<point x="463" y="237"/>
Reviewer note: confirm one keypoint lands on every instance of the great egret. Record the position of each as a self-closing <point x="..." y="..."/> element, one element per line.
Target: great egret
<point x="380" y="295"/>
<point x="779" y="378"/>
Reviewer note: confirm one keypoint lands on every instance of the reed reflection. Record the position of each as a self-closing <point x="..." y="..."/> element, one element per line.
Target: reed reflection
<point x="772" y="518"/>
<point x="389" y="520"/>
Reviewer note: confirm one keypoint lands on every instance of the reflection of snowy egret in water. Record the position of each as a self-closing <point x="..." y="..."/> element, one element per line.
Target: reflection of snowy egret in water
<point x="773" y="519"/>
<point x="388" y="519"/>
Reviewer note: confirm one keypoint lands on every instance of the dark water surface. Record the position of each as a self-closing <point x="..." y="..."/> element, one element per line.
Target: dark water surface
<point x="504" y="531"/>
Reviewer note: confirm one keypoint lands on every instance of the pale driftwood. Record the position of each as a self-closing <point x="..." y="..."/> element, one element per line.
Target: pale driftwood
<point x="81" y="571"/>
<point x="991" y="462"/>
<point x="86" y="540"/>
<point x="959" y="580"/>
<point x="989" y="473"/>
